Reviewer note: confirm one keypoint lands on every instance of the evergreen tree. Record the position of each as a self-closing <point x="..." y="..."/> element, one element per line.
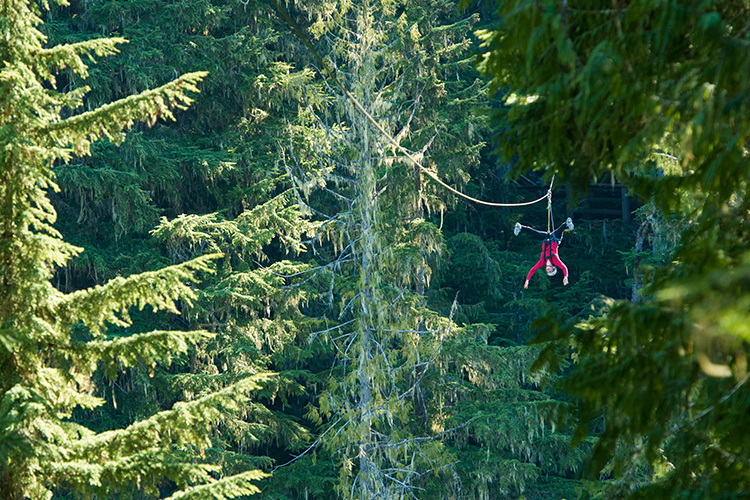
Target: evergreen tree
<point x="392" y="258"/>
<point x="529" y="457"/>
<point x="216" y="176"/>
<point x="595" y="90"/>
<point x="218" y="164"/>
<point x="256" y="308"/>
<point x="510" y="446"/>
<point x="373" y="206"/>
<point x="45" y="372"/>
<point x="219" y="156"/>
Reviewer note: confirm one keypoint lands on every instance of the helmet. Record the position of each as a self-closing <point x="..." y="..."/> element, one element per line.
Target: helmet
<point x="552" y="272"/>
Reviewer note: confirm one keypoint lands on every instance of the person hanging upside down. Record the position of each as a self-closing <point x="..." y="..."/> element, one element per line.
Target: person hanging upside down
<point x="549" y="258"/>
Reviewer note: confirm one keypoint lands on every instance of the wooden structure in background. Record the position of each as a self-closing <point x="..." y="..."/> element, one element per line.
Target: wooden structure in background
<point x="603" y="201"/>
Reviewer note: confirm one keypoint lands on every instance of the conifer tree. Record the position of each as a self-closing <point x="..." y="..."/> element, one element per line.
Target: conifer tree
<point x="599" y="91"/>
<point x="220" y="156"/>
<point x="45" y="374"/>
<point x="381" y="340"/>
<point x="382" y="397"/>
<point x="400" y="251"/>
<point x="255" y="305"/>
<point x="218" y="165"/>
<point x="510" y="446"/>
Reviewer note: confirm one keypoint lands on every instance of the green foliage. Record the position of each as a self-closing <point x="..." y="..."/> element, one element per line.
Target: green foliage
<point x="595" y="92"/>
<point x="407" y="391"/>
<point x="215" y="181"/>
<point x="383" y="251"/>
<point x="508" y="444"/>
<point x="221" y="155"/>
<point x="286" y="294"/>
<point x="45" y="373"/>
<point x="616" y="88"/>
<point x="256" y="312"/>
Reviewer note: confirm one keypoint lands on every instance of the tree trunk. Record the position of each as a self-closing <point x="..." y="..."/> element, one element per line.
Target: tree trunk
<point x="368" y="216"/>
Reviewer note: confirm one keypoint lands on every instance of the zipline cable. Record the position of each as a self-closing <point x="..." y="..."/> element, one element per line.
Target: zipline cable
<point x="398" y="146"/>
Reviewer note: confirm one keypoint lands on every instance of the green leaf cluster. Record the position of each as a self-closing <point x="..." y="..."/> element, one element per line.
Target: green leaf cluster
<point x="594" y="91"/>
<point x="266" y="168"/>
<point x="46" y="373"/>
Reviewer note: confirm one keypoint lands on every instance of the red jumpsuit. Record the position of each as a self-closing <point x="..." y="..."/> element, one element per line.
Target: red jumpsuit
<point x="549" y="252"/>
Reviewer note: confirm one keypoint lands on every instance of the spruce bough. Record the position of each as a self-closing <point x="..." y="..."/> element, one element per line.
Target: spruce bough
<point x="44" y="373"/>
<point x="611" y="93"/>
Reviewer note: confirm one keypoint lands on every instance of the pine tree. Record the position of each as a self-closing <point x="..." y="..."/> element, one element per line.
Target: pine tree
<point x="400" y="252"/>
<point x="255" y="306"/>
<point x="508" y="446"/>
<point x="220" y="155"/>
<point x="45" y="373"/>
<point x="218" y="165"/>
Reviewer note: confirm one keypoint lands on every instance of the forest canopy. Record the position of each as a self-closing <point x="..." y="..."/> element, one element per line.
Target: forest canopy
<point x="616" y="92"/>
<point x="219" y="278"/>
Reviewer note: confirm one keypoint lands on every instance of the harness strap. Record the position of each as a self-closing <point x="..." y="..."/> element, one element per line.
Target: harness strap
<point x="550" y="219"/>
<point x="547" y="249"/>
<point x="549" y="211"/>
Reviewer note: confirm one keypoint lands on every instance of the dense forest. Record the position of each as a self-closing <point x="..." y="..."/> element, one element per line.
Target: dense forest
<point x="279" y="249"/>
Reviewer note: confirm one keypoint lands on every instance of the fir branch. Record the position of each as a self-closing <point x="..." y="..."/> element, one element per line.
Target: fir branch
<point x="109" y="303"/>
<point x="69" y="55"/>
<point x="223" y="489"/>
<point x="312" y="336"/>
<point x="186" y="423"/>
<point x="146" y="348"/>
<point x="109" y="120"/>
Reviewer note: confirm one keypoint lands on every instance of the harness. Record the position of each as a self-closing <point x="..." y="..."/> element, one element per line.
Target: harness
<point x="547" y="251"/>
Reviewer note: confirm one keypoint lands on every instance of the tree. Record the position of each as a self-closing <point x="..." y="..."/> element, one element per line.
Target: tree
<point x="401" y="250"/>
<point x="219" y="155"/>
<point x="216" y="176"/>
<point x="595" y="91"/>
<point x="465" y="393"/>
<point x="45" y="372"/>
<point x="255" y="304"/>
<point x="509" y="448"/>
<point x="376" y="418"/>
